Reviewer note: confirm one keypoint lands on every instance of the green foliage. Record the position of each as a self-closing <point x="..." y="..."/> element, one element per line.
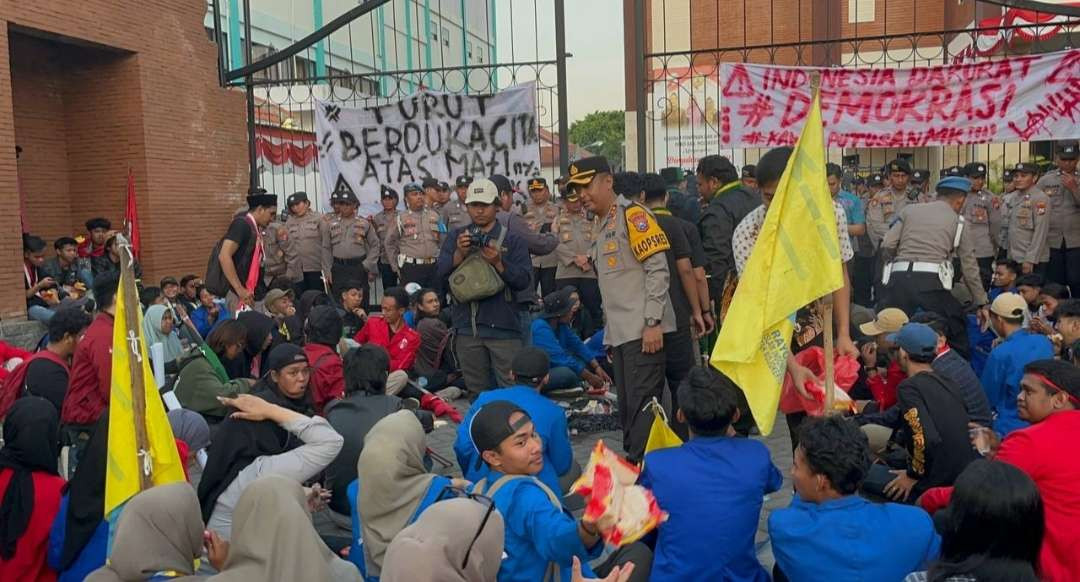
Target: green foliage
<point x="606" y="127"/>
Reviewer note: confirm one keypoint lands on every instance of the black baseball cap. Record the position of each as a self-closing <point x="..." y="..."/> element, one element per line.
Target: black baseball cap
<point x="490" y="426"/>
<point x="749" y="171"/>
<point x="559" y="303"/>
<point x="284" y="355"/>
<point x="502" y="183"/>
<point x="531" y="363"/>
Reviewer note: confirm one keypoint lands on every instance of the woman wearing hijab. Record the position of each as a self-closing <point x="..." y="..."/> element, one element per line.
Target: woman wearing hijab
<point x="192" y="435"/>
<point x="273" y="539"/>
<point x="158" y="329"/>
<point x="258" y="328"/>
<point x="203" y="377"/>
<point x="323" y="332"/>
<point x="440" y="545"/>
<point x="77" y="542"/>
<point x="30" y="489"/>
<point x="394" y="487"/>
<point x="159" y="536"/>
<point x="262" y="438"/>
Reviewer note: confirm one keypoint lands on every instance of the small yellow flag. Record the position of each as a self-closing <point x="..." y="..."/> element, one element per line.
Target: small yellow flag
<point x="125" y="460"/>
<point x="795" y="260"/>
<point x="660" y="434"/>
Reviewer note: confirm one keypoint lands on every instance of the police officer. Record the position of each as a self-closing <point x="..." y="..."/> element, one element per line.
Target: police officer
<point x="454" y="214"/>
<point x="352" y="245"/>
<point x="883" y="208"/>
<point x="982" y="211"/>
<point x="431" y="193"/>
<point x="308" y="233"/>
<point x="413" y="243"/>
<point x="383" y="221"/>
<point x="1029" y="224"/>
<point x="574" y="227"/>
<point x="540" y="214"/>
<point x="918" y="250"/>
<point x="874" y="184"/>
<point x="1064" y="237"/>
<point x="280" y="264"/>
<point x="919" y="180"/>
<point x="1008" y="201"/>
<point x="632" y="272"/>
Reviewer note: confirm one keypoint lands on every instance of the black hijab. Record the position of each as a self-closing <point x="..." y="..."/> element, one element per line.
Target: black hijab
<point x="237" y="444"/>
<point x="269" y="391"/>
<point x="31" y="443"/>
<point x="258" y="328"/>
<point x="86" y="493"/>
<point x="308" y="300"/>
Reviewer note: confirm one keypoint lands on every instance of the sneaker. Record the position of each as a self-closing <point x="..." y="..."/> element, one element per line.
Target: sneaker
<point x="410" y="404"/>
<point x="449" y="394"/>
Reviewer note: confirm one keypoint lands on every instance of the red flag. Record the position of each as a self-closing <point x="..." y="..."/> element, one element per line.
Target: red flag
<point x="131" y="216"/>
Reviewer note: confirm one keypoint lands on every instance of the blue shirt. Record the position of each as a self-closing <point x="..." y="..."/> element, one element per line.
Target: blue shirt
<point x="596" y="345"/>
<point x="853" y="207"/>
<point x="851" y="539"/>
<point x="712" y="489"/>
<point x="1002" y="373"/>
<point x="549" y="421"/>
<point x="90" y="557"/>
<point x="537" y="532"/>
<point x="563" y="346"/>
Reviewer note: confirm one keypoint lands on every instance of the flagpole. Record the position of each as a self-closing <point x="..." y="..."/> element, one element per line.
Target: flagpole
<point x="134" y="359"/>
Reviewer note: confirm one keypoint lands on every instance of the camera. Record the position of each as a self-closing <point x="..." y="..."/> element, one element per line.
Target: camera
<point x="477" y="237"/>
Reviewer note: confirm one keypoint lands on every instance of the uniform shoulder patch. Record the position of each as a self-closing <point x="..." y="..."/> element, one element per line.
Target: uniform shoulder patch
<point x="1040" y="208"/>
<point x="646" y="236"/>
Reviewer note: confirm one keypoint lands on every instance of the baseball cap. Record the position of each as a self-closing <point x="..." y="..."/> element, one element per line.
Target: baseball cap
<point x="916" y="339"/>
<point x="888" y="320"/>
<point x="285" y="355"/>
<point x="1068" y="150"/>
<point x="1009" y="305"/>
<point x="482" y="192"/>
<point x="490" y="426"/>
<point x="502" y="183"/>
<point x="1025" y="168"/>
<point x="531" y="363"/>
<point x="749" y="171"/>
<point x="275" y="295"/>
<point x="297" y="198"/>
<point x="558" y="304"/>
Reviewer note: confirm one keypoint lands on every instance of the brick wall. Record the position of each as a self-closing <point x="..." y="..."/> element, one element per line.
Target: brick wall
<point x="95" y="87"/>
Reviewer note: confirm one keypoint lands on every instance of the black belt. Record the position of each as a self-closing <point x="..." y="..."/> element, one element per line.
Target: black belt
<point x="349" y="262"/>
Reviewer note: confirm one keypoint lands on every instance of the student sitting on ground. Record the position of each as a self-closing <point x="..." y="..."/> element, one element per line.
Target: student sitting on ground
<point x="1005" y="366"/>
<point x="278" y="304"/>
<point x="426" y="304"/>
<point x="210" y="313"/>
<point x="46" y="373"/>
<point x="203" y="378"/>
<point x="530" y="371"/>
<point x="951" y="365"/>
<point x="352" y="306"/>
<point x="390" y="332"/>
<point x="712" y="479"/>
<point x="827" y="522"/>
<point x="323" y="332"/>
<point x="571" y="361"/>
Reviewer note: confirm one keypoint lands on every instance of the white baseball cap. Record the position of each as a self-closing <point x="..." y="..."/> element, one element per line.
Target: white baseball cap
<point x="482" y="192"/>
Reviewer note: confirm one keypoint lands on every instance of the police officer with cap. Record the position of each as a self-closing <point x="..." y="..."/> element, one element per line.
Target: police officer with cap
<point x="574" y="227"/>
<point x="413" y="245"/>
<point x="540" y="214"/>
<point x="308" y="233"/>
<point x="1029" y="223"/>
<point x="632" y="271"/>
<point x="431" y="193"/>
<point x="874" y="184"/>
<point x="749" y="176"/>
<point x="883" y="208"/>
<point x="383" y="221"/>
<point x="918" y="253"/>
<point x="1063" y="239"/>
<point x="352" y="246"/>
<point x="982" y="211"/>
<point x="454" y="214"/>
<point x="919" y="179"/>
<point x="280" y="263"/>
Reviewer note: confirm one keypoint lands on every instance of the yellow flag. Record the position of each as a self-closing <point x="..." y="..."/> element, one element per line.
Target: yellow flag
<point x="122" y="477"/>
<point x="660" y="434"/>
<point x="795" y="260"/>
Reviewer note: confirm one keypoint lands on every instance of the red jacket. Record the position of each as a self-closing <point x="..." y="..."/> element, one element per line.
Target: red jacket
<point x="29" y="561"/>
<point x="327" y="375"/>
<point x="8" y="351"/>
<point x="91" y="372"/>
<point x="402" y="346"/>
<point x="884" y="388"/>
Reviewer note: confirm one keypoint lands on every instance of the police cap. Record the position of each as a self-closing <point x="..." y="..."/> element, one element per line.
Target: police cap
<point x="387" y="192"/>
<point x="584" y="170"/>
<point x="975" y="170"/>
<point x="952" y="171"/>
<point x="1068" y="150"/>
<point x="749" y="171"/>
<point x="919" y="176"/>
<point x="537" y="183"/>
<point x="463" y="181"/>
<point x="900" y="165"/>
<point x="876" y="180"/>
<point x="430" y="183"/>
<point x="1025" y="168"/>
<point x="297" y="198"/>
<point x="412" y="187"/>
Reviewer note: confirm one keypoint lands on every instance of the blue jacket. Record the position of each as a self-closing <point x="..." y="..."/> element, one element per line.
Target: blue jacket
<point x="851" y="540"/>
<point x="201" y="318"/>
<point x="1002" y="373"/>
<point x="90" y="558"/>
<point x="537" y="532"/>
<point x="563" y="346"/>
<point x="496" y="316"/>
<point x="712" y="489"/>
<point x="549" y="421"/>
<point x="595" y="344"/>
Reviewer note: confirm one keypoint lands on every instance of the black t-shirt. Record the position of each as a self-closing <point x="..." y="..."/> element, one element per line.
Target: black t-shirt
<point x="47" y="379"/>
<point x="241" y="232"/>
<point x="680" y="249"/>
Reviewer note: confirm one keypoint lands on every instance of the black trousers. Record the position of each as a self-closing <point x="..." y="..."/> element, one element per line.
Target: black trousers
<point x="344" y="271"/>
<point x="679" y="358"/>
<point x="986" y="270"/>
<point x="589" y="290"/>
<point x="1064" y="267"/>
<point x="423" y="275"/>
<point x="639" y="377"/>
<point x="862" y="280"/>
<point x="311" y="280"/>
<point x="545" y="277"/>
<point x="388" y="276"/>
<point x="913" y="292"/>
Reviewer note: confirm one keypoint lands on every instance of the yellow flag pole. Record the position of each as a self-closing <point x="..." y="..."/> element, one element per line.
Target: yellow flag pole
<point x="134" y="359"/>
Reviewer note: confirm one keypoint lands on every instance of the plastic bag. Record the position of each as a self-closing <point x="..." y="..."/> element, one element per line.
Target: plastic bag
<point x="621" y="510"/>
<point x="845" y="370"/>
<point x="660" y="434"/>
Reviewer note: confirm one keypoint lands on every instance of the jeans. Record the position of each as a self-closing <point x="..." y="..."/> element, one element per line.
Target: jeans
<point x="526" y="318"/>
<point x="561" y="378"/>
<point x="39" y="313"/>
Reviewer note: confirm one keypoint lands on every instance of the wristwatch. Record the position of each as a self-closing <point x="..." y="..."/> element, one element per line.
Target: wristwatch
<point x="651" y="322"/>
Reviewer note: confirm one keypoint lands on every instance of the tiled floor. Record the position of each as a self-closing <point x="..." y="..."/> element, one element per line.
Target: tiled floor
<point x="442" y="442"/>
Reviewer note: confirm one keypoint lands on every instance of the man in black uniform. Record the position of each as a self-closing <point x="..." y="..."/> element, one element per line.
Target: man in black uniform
<point x="729" y="201"/>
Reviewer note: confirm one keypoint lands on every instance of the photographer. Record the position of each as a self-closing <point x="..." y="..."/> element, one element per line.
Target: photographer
<point x="488" y="328"/>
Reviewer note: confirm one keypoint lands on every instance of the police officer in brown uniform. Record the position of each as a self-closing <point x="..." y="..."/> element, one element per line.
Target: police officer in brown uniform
<point x="633" y="275"/>
<point x="540" y="215"/>
<point x="308" y="233"/>
<point x="982" y="211"/>
<point x="454" y="214"/>
<point x="919" y="249"/>
<point x="883" y="208"/>
<point x="384" y="221"/>
<point x="431" y="194"/>
<point x="352" y="245"/>
<point x="280" y="266"/>
<point x="574" y="227"/>
<point x="1029" y="223"/>
<point x="1064" y="237"/>
<point x="413" y="242"/>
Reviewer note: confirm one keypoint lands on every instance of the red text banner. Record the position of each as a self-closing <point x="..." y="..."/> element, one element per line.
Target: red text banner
<point x="1023" y="98"/>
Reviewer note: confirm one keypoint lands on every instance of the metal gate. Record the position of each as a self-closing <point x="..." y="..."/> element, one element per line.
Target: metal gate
<point x="681" y="43"/>
<point x="380" y="52"/>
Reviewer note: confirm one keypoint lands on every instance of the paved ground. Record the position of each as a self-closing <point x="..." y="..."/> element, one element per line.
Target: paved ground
<point x="442" y="442"/>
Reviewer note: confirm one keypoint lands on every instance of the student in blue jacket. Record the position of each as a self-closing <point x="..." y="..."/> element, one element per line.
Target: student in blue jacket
<point x="542" y="537"/>
<point x="830" y="533"/>
<point x="530" y="372"/>
<point x="571" y="361"/>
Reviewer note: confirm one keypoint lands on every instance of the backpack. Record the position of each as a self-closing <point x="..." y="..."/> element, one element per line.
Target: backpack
<point x="215" y="279"/>
<point x="475" y="279"/>
<point x="14" y="384"/>
<point x="552" y="573"/>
